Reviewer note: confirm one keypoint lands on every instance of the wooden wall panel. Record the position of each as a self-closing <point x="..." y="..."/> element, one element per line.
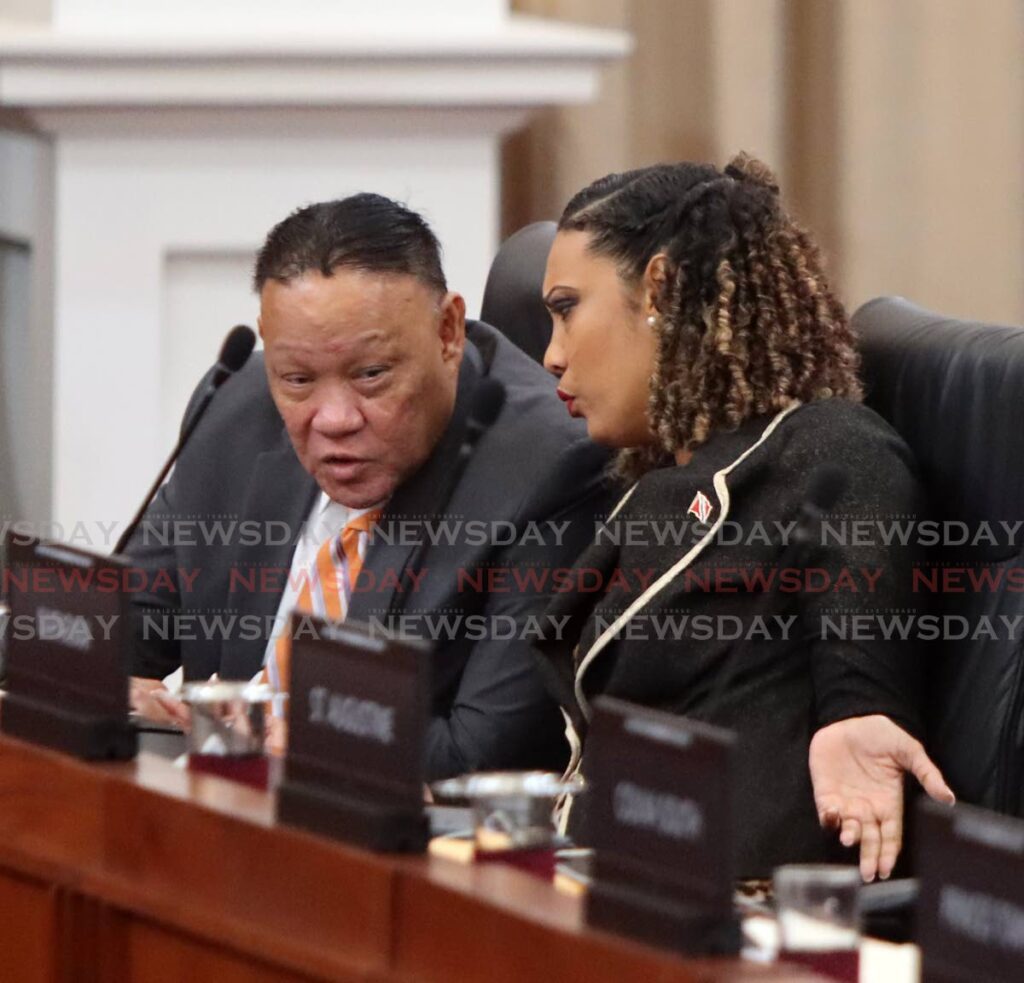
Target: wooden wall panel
<point x="49" y="804"/>
<point x="897" y="130"/>
<point x="157" y="955"/>
<point x="28" y="915"/>
<point x="196" y="881"/>
<point x="931" y="182"/>
<point x="262" y="888"/>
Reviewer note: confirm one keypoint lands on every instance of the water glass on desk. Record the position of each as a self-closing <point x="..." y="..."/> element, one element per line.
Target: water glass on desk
<point x="818" y="912"/>
<point x="512" y="810"/>
<point x="513" y="815"/>
<point x="228" y="732"/>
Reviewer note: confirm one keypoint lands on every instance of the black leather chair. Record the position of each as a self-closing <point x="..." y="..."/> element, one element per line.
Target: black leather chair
<point x="512" y="298"/>
<point x="955" y="391"/>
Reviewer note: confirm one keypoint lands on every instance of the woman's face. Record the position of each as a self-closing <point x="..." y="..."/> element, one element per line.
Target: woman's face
<point x="602" y="349"/>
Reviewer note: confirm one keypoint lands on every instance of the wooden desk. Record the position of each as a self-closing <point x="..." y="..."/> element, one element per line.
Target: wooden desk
<point x="145" y="873"/>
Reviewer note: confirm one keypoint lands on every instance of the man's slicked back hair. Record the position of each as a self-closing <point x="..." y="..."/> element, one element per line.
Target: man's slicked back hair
<point x="362" y="232"/>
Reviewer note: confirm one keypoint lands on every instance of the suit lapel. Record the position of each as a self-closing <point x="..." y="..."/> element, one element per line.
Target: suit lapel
<point x="281" y="492"/>
<point x="279" y="497"/>
<point x="424" y="495"/>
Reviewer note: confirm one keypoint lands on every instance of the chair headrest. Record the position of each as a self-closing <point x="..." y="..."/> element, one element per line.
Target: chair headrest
<point x="954" y="390"/>
<point x="512" y="298"/>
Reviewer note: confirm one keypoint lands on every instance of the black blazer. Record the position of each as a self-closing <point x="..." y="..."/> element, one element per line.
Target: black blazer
<point x="534" y="466"/>
<point x="685" y="603"/>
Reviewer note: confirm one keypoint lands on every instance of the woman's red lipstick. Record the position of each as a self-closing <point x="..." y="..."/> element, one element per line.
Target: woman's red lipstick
<point x="568" y="400"/>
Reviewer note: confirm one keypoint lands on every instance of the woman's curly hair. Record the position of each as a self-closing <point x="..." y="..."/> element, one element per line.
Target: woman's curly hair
<point x="747" y="325"/>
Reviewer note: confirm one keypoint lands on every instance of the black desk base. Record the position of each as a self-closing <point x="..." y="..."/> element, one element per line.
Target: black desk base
<point x="369" y="823"/>
<point x="89" y="736"/>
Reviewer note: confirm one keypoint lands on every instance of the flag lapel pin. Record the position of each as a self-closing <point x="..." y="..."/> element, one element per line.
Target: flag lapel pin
<point x="700" y="507"/>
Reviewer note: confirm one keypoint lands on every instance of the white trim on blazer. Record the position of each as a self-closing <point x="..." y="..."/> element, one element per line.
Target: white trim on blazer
<point x="722" y="491"/>
<point x="564" y="807"/>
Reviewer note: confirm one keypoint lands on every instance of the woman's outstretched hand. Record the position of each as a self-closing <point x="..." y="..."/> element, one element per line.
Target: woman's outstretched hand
<point x="857" y="768"/>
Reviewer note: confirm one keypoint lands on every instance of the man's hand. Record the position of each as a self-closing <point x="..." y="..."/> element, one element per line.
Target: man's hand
<point x="857" y="768"/>
<point x="276" y="741"/>
<point x="151" y="699"/>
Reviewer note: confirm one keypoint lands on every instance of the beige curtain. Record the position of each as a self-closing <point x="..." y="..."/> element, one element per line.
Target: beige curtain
<point x="896" y="127"/>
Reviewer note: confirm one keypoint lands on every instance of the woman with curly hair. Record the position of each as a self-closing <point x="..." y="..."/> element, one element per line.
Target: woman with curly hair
<point x="694" y="330"/>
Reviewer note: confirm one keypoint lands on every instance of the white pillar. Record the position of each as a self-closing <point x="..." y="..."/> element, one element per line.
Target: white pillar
<point x="177" y="146"/>
<point x="26" y="326"/>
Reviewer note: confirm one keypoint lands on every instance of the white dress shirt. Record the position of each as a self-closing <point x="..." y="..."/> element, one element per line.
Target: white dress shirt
<point x="326" y="518"/>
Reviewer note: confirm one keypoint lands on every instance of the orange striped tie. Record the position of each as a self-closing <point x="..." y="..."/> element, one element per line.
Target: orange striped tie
<point x="326" y="588"/>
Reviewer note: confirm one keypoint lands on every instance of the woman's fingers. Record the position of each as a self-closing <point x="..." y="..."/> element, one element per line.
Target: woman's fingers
<point x="927" y="773"/>
<point x="851" y="831"/>
<point x="892" y="843"/>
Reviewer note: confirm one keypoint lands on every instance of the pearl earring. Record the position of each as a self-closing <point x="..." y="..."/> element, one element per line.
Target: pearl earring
<point x="652" y="321"/>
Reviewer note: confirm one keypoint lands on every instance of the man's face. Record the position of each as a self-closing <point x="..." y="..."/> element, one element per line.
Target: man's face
<point x="363" y="368"/>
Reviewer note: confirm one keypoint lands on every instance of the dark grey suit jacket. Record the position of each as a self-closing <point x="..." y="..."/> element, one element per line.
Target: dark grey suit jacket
<point x="239" y="480"/>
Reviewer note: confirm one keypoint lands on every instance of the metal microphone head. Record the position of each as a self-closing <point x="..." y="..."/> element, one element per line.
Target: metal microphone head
<point x="827" y="483"/>
<point x="488" y="400"/>
<point x="235" y="351"/>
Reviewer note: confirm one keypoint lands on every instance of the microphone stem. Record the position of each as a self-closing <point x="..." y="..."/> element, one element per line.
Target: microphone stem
<point x="186" y="432"/>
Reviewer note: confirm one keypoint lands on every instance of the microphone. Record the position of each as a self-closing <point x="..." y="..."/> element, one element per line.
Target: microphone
<point x="488" y="400"/>
<point x="234" y="353"/>
<point x="827" y="484"/>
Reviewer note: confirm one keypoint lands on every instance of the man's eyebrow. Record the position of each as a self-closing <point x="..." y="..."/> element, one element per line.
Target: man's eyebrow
<point x="371" y="337"/>
<point x="355" y="344"/>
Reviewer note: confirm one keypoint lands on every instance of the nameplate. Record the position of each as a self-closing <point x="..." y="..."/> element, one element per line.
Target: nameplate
<point x="357" y="720"/>
<point x="68" y="642"/>
<point x="970" y="917"/>
<point x="659" y="816"/>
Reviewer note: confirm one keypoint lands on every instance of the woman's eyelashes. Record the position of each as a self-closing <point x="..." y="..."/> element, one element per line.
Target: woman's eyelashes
<point x="562" y="307"/>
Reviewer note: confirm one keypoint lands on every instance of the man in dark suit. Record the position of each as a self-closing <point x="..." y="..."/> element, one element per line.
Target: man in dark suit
<point x="360" y="401"/>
